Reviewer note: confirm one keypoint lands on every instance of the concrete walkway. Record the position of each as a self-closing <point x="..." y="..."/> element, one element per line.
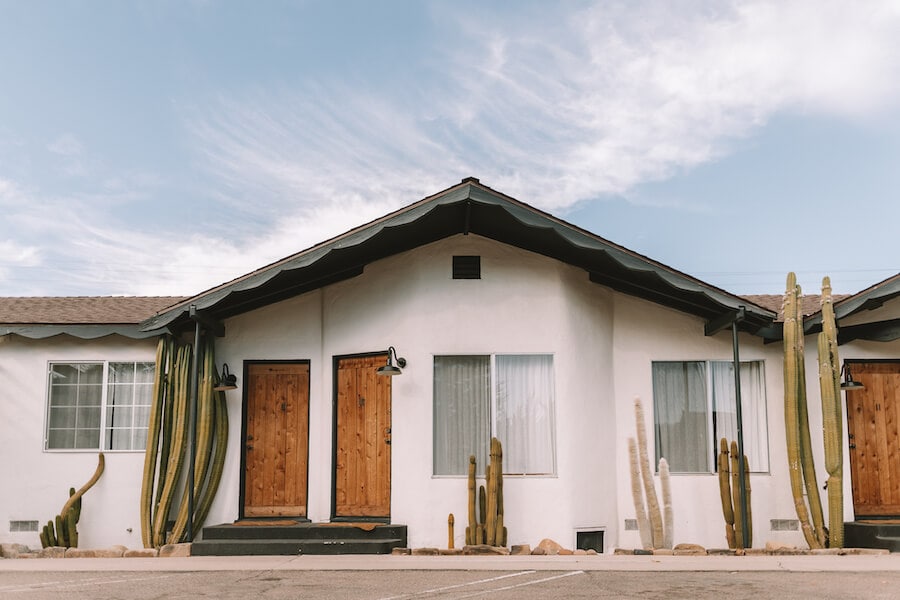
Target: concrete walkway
<point x="884" y="562"/>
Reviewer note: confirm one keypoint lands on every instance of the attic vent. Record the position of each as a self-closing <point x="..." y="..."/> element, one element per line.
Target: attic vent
<point x="466" y="267"/>
<point x="23" y="526"/>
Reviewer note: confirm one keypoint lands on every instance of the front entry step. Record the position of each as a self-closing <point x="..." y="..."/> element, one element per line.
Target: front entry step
<point x="236" y="539"/>
<point x="883" y="534"/>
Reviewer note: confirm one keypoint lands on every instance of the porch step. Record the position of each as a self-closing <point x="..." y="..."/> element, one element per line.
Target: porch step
<point x="303" y="538"/>
<point x="872" y="534"/>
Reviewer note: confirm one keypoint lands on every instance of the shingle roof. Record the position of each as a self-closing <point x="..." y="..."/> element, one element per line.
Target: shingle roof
<point x="810" y="304"/>
<point x="81" y="310"/>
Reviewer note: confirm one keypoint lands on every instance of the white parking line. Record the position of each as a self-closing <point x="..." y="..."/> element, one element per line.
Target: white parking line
<point x="518" y="585"/>
<point x="459" y="585"/>
<point x="68" y="585"/>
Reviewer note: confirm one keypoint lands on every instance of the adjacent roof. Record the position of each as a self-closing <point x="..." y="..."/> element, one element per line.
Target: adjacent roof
<point x="85" y="317"/>
<point x="810" y="304"/>
<point x="868" y="299"/>
<point x="468" y="207"/>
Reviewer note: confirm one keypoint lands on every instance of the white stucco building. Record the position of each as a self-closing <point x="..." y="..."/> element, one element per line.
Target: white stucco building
<point x="512" y="324"/>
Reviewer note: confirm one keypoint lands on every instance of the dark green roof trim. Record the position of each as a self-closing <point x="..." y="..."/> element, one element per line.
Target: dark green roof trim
<point x="84" y="332"/>
<point x="868" y="299"/>
<point x="468" y="207"/>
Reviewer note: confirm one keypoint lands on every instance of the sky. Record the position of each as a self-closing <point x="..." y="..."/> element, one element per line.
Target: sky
<point x="163" y="147"/>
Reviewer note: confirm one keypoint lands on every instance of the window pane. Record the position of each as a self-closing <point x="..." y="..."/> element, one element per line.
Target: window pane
<point x="87" y="438"/>
<point x="461" y="413"/>
<point x="144" y="372"/>
<point x="526" y="421"/>
<point x="119" y="439"/>
<point x="680" y="416"/>
<point x="121" y="373"/>
<point x="75" y="395"/>
<point x="753" y="409"/>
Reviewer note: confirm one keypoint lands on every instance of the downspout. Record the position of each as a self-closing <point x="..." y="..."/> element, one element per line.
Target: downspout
<point x="195" y="384"/>
<point x="739" y="415"/>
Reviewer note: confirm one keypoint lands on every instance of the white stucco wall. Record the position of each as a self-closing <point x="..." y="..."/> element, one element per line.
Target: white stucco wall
<point x="34" y="483"/>
<point x="524" y="303"/>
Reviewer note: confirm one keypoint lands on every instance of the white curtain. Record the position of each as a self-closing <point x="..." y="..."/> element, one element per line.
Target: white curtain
<point x="753" y="408"/>
<point x="526" y="420"/>
<point x="462" y="417"/>
<point x="680" y="404"/>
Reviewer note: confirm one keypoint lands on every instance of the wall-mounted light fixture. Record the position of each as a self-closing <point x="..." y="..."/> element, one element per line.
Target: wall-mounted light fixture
<point x="227" y="381"/>
<point x="390" y="369"/>
<point x="848" y="384"/>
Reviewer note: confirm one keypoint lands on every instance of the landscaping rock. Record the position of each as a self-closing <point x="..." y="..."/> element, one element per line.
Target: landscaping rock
<point x="175" y="550"/>
<point x="663" y="552"/>
<point x="566" y="552"/>
<point x="13" y="550"/>
<point x="591" y="552"/>
<point x="401" y="552"/>
<point x="53" y="552"/>
<point x="94" y="553"/>
<point x="518" y="549"/>
<point x="642" y="552"/>
<point x="550" y="546"/>
<point x="538" y="552"/>
<point x="580" y="552"/>
<point x="141" y="553"/>
<point x="451" y="551"/>
<point x="485" y="550"/>
<point x="621" y="552"/>
<point x="773" y="546"/>
<point x="722" y="552"/>
<point x="426" y="552"/>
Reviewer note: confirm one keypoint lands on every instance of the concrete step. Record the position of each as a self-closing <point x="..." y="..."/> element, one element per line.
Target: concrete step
<point x="872" y="534"/>
<point x="247" y="547"/>
<point x="230" y="539"/>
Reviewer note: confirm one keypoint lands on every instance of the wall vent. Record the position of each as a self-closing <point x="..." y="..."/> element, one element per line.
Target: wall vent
<point x="466" y="267"/>
<point x="784" y="524"/>
<point x="631" y="525"/>
<point x="23" y="526"/>
<point x="589" y="540"/>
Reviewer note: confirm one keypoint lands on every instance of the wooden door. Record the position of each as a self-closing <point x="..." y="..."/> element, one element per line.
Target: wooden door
<point x="363" y="438"/>
<point x="276" y="443"/>
<point x="873" y="423"/>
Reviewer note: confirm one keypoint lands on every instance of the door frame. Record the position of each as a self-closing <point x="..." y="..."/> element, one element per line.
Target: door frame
<point x="335" y="361"/>
<point x="244" y="400"/>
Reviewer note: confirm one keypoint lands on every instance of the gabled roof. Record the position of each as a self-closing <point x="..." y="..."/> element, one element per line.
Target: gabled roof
<point x="810" y="304"/>
<point x="868" y="299"/>
<point x="86" y="317"/>
<point x="468" y="207"/>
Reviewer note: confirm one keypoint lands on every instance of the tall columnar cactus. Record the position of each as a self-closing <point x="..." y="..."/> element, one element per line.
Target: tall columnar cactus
<point x="167" y="441"/>
<point x="650" y="522"/>
<point x="62" y="531"/>
<point x="737" y="533"/>
<point x="799" y="448"/>
<point x="832" y="422"/>
<point x="472" y="527"/>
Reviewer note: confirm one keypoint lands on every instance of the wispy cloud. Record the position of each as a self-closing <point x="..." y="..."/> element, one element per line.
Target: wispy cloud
<point x="551" y="110"/>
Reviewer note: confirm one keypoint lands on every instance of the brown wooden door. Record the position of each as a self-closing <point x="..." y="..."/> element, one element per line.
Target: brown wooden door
<point x="873" y="422"/>
<point x="277" y="439"/>
<point x="363" y="450"/>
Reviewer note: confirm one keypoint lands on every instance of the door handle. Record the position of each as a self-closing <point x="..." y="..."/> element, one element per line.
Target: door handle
<point x="852" y="446"/>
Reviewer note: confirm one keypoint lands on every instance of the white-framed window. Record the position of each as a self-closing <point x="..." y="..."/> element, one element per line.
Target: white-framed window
<point x="694" y="407"/>
<point x="98" y="405"/>
<point x="508" y="396"/>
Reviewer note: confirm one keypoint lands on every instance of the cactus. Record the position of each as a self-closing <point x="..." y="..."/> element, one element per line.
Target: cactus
<point x="167" y="439"/>
<point x="799" y="451"/>
<point x="737" y="533"/>
<point x="668" y="513"/>
<point x="473" y="519"/>
<point x="725" y="493"/>
<point x="62" y="530"/>
<point x="450" y="522"/>
<point x="488" y="528"/>
<point x="650" y="522"/>
<point x="832" y="425"/>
